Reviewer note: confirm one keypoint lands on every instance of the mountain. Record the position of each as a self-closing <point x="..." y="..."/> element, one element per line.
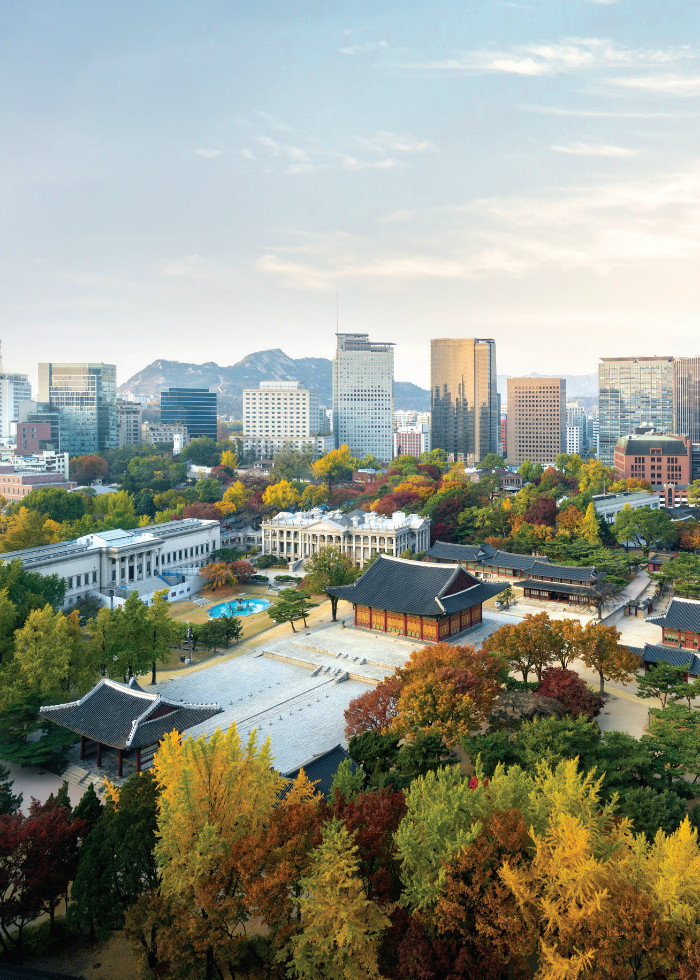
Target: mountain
<point x="266" y="365"/>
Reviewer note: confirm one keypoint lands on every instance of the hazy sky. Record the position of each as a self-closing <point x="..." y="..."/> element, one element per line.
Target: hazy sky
<point x="197" y="181"/>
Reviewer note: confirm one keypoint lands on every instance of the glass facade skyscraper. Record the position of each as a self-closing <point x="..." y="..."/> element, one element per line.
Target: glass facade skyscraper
<point x="633" y="391"/>
<point x="465" y="420"/>
<point x="86" y="398"/>
<point x="363" y="396"/>
<point x="193" y="407"/>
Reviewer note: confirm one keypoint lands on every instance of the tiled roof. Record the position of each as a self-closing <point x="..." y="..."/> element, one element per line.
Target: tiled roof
<point x="483" y="554"/>
<point x="320" y="770"/>
<point x="546" y="570"/>
<point x="566" y="587"/>
<point x="125" y="717"/>
<point x="642" y="445"/>
<point x="654" y="653"/>
<point x="682" y="614"/>
<point x="404" y="586"/>
<point x="472" y="597"/>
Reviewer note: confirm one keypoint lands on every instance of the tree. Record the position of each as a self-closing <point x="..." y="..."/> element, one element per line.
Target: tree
<point x="335" y="467"/>
<point x="218" y="574"/>
<point x="341" y="927"/>
<point x="674" y="735"/>
<point x="217" y="798"/>
<point x="645" y="527"/>
<point x="281" y="496"/>
<point x="28" y="739"/>
<point x="8" y="623"/>
<point x="329" y="567"/>
<point x="9" y="803"/>
<point x="651" y="811"/>
<point x="164" y="630"/>
<point x="233" y="499"/>
<point x="243" y="570"/>
<point x="373" y="711"/>
<point x="533" y="644"/>
<point x="694" y="494"/>
<point x="292" y="605"/>
<point x="602" y="651"/>
<point x="530" y="471"/>
<point x="292" y="464"/>
<point x="229" y="457"/>
<point x="51" y="656"/>
<point x="446" y="689"/>
<point x="666" y="682"/>
<point x="604" y="592"/>
<point x="590" y="525"/>
<point x="492" y="461"/>
<point x="87" y="469"/>
<point x="54" y="503"/>
<point x="117" y="862"/>
<point x="570" y="691"/>
<point x="314" y="495"/>
<point x="133" y="636"/>
<point x="208" y="491"/>
<point x="232" y="627"/>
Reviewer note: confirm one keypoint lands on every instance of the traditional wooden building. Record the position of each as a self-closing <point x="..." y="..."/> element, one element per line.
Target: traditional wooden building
<point x="125" y="719"/>
<point x="656" y="653"/>
<point x="559" y="583"/>
<point x="680" y="624"/>
<point x="484" y="560"/>
<point x="412" y="598"/>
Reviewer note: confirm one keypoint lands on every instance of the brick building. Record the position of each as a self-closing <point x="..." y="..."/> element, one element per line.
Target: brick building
<point x="659" y="460"/>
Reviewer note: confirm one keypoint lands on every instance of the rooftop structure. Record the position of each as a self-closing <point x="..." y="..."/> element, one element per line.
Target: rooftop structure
<point x="126" y="718"/>
<point x="358" y="534"/>
<point x="416" y="599"/>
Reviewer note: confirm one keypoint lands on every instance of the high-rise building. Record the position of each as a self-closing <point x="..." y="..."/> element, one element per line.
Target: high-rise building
<point x="280" y="409"/>
<point x="38" y="426"/>
<point x="464" y="400"/>
<point x="86" y="398"/>
<point x="14" y="388"/>
<point x="363" y="389"/>
<point x="412" y="440"/>
<point x="129" y="421"/>
<point x="686" y="397"/>
<point x="536" y="420"/>
<point x="195" y="408"/>
<point x="633" y="392"/>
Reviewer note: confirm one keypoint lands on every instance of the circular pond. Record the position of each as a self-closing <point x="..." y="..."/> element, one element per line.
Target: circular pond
<point x="241" y="606"/>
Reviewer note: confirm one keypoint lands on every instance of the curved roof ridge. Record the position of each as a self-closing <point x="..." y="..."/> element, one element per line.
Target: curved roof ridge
<point x="416" y="561"/>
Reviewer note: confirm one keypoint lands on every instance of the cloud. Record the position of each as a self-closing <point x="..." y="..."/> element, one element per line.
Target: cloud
<point x="595" y="231"/>
<point x="202" y="151"/>
<point x="594" y="150"/>
<point x="662" y="84"/>
<point x="569" y="55"/>
<point x="382" y="142"/>
<point x="352" y="163"/>
<point x="604" y="114"/>
<point x="367" y="48"/>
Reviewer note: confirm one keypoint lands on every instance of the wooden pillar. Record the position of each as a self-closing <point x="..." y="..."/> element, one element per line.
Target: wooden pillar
<point x="120" y="757"/>
<point x="385" y="620"/>
<point x="405" y="625"/>
<point x="354" y="609"/>
<point x="138" y="760"/>
<point x="99" y="754"/>
<point x="82" y="746"/>
<point x="421" y="627"/>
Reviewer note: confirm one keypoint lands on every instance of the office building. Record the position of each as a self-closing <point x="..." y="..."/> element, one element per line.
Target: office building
<point x="574" y="440"/>
<point x="193" y="407"/>
<point x="363" y="385"/>
<point x="658" y="460"/>
<point x="129" y="422"/>
<point x="42" y="461"/>
<point x="686" y="405"/>
<point x="536" y="420"/>
<point x="465" y="420"/>
<point x="15" y="486"/>
<point x="38" y="428"/>
<point x="282" y="415"/>
<point x="412" y="440"/>
<point x="633" y="391"/>
<point x="14" y="388"/>
<point x="85" y="395"/>
<point x="174" y="434"/>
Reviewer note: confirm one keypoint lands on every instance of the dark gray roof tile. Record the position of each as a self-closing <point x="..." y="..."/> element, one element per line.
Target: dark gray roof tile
<point x="654" y="653"/>
<point x="682" y="614"/>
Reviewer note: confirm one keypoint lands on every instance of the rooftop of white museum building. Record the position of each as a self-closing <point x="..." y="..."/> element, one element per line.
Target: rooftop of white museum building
<point x="361" y="520"/>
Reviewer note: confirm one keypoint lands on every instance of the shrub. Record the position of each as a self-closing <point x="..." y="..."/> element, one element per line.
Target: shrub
<point x="571" y="692"/>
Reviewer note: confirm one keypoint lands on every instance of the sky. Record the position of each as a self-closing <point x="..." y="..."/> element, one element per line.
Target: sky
<point x="200" y="181"/>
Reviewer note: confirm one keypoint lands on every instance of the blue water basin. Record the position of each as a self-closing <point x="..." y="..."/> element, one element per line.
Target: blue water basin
<point x="244" y="606"/>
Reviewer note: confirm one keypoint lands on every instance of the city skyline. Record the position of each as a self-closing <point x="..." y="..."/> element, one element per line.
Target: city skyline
<point x="178" y="178"/>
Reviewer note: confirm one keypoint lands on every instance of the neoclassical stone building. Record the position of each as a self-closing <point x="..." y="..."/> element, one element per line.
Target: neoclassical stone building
<point x="358" y="534"/>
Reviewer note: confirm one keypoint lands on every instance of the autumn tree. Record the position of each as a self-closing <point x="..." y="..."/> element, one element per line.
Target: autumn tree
<point x="335" y="467"/>
<point x="602" y="652"/>
<point x="233" y="499"/>
<point x="329" y="566"/>
<point x="570" y="691"/>
<point x="644" y="527"/>
<point x="589" y="528"/>
<point x="51" y="655"/>
<point x="164" y="630"/>
<point x="281" y="496"/>
<point x="447" y="689"/>
<point x="530" y="645"/>
<point x="218" y="574"/>
<point x="341" y="926"/>
<point x="373" y="711"/>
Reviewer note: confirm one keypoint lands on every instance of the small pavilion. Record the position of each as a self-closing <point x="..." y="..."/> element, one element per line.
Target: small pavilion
<point x="425" y="601"/>
<point x="125" y="719"/>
